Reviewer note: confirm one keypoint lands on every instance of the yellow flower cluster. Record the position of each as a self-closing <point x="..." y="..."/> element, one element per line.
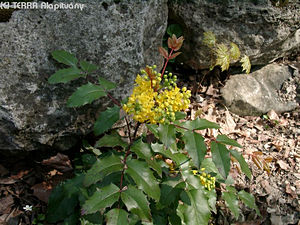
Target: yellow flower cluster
<point x="156" y="101"/>
<point x="207" y="180"/>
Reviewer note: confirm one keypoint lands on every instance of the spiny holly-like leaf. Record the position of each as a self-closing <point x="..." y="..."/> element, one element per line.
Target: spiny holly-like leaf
<point x="166" y="135"/>
<point x="163" y="52"/>
<point x="85" y="94"/>
<point x="232" y="203"/>
<point x="195" y="209"/>
<point x="180" y="115"/>
<point x="65" y="57"/>
<point x="221" y="158"/>
<point x="143" y="151"/>
<point x="175" y="55"/>
<point x="227" y="141"/>
<point x="103" y="167"/>
<point x="244" y="166"/>
<point x="143" y="177"/>
<point x="153" y="129"/>
<point x="106" y="120"/>
<point x="209" y="39"/>
<point x="65" y="75"/>
<point x="249" y="200"/>
<point x="199" y="124"/>
<point x="136" y="202"/>
<point x="101" y="199"/>
<point x="108" y="85"/>
<point x="175" y="43"/>
<point x="111" y="140"/>
<point x="178" y="158"/>
<point x="88" y="67"/>
<point x="117" y="217"/>
<point x="170" y="191"/>
<point x="246" y="64"/>
<point x="234" y="51"/>
<point x="222" y="56"/>
<point x="195" y="146"/>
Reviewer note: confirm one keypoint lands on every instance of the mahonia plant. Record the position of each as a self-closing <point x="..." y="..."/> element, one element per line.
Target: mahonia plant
<point x="224" y="55"/>
<point x="168" y="175"/>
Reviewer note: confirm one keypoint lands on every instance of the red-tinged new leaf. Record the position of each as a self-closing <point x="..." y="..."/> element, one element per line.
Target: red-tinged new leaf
<point x="175" y="43"/>
<point x="163" y="52"/>
<point x="175" y="55"/>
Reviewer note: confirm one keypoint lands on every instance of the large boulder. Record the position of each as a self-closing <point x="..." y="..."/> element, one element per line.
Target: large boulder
<point x="119" y="36"/>
<point x="261" y="30"/>
<point x="271" y="87"/>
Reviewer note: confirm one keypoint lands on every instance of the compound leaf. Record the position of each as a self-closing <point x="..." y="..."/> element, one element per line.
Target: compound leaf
<point x="232" y="203"/>
<point x="221" y="158"/>
<point x="143" y="177"/>
<point x="101" y="199"/>
<point x="111" y="140"/>
<point x="227" y="141"/>
<point x="106" y="120"/>
<point x="136" y="202"/>
<point x="249" y="200"/>
<point x="195" y="146"/>
<point x="143" y="151"/>
<point x="195" y="209"/>
<point x="117" y="217"/>
<point x="108" y="85"/>
<point x="244" y="166"/>
<point x="65" y="75"/>
<point x="88" y="67"/>
<point x="101" y="168"/>
<point x="166" y="135"/>
<point x="85" y="94"/>
<point x="64" y="57"/>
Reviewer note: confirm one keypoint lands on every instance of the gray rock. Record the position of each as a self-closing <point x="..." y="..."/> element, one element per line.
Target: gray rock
<point x="257" y="93"/>
<point x="262" y="31"/>
<point x="119" y="36"/>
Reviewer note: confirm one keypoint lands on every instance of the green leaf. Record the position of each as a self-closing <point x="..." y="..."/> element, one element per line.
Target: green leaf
<point x="136" y="202"/>
<point x="232" y="203"/>
<point x="195" y="146"/>
<point x="199" y="124"/>
<point x="180" y="115"/>
<point x="170" y="191"/>
<point x="153" y="129"/>
<point x="227" y="141"/>
<point x="212" y="199"/>
<point x="221" y="158"/>
<point x="102" y="168"/>
<point x="234" y="51"/>
<point x="174" y="29"/>
<point x="117" y="217"/>
<point x="209" y="39"/>
<point x="106" y="120"/>
<point x="195" y="209"/>
<point x="143" y="177"/>
<point x="143" y="151"/>
<point x="65" y="75"/>
<point x="189" y="178"/>
<point x="65" y="57"/>
<point x="249" y="200"/>
<point x="166" y="135"/>
<point x="108" y="85"/>
<point x="111" y="140"/>
<point x="176" y="157"/>
<point x="222" y="56"/>
<point x="244" y="166"/>
<point x="101" y="199"/>
<point x="85" y="94"/>
<point x="64" y="199"/>
<point x="88" y="67"/>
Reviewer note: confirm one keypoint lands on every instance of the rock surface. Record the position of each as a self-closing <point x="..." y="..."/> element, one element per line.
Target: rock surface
<point x="258" y="92"/>
<point x="120" y="37"/>
<point x="262" y="31"/>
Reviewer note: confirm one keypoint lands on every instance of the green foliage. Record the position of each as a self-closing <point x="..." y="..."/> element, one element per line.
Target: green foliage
<point x="169" y="178"/>
<point x="224" y="56"/>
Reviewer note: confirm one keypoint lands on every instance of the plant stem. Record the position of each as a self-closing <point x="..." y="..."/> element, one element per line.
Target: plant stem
<point x="115" y="101"/>
<point x="167" y="60"/>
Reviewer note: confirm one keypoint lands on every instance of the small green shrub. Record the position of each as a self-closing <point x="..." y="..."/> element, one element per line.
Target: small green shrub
<point x="170" y="179"/>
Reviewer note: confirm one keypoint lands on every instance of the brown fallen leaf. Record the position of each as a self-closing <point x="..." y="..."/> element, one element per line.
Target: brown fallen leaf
<point x="42" y="191"/>
<point x="60" y="162"/>
<point x="6" y="203"/>
<point x="265" y="184"/>
<point x="273" y="115"/>
<point x="3" y="171"/>
<point x="283" y="165"/>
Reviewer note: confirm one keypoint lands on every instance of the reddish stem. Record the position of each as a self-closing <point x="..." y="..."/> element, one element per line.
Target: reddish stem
<point x="115" y="101"/>
<point x="167" y="60"/>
